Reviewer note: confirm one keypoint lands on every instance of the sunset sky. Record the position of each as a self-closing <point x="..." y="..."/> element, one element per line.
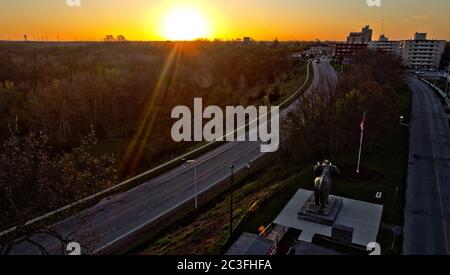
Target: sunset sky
<point x="225" y="19"/>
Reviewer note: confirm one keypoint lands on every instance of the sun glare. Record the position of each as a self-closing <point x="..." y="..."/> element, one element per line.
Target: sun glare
<point x="185" y="24"/>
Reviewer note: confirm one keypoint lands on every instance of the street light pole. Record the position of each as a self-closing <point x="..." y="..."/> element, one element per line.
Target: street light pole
<point x="447" y="79"/>
<point x="231" y="200"/>
<point x="195" y="180"/>
<point x="249" y="166"/>
<point x="195" y="187"/>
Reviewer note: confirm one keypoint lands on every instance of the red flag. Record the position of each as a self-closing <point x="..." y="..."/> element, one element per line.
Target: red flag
<point x="363" y="122"/>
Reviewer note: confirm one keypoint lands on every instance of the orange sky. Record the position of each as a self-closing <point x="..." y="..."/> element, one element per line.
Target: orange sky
<point x="226" y="19"/>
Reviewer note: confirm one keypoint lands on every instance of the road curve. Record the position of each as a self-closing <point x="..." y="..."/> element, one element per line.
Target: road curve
<point x="117" y="217"/>
<point x="427" y="210"/>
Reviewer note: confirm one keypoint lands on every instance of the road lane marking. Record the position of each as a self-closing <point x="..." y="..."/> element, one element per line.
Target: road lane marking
<point x="107" y="232"/>
<point x="146" y="211"/>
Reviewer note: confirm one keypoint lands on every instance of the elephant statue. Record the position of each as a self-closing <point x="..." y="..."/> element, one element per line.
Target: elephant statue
<point x="323" y="183"/>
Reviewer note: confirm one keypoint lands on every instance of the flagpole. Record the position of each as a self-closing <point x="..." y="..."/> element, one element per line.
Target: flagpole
<point x="361" y="143"/>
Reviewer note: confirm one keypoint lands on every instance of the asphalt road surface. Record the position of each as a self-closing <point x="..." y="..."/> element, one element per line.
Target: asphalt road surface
<point x="427" y="210"/>
<point x="117" y="217"/>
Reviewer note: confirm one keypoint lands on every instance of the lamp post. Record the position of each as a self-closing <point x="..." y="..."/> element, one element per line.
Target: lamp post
<point x="249" y="166"/>
<point x="447" y="79"/>
<point x="195" y="180"/>
<point x="231" y="199"/>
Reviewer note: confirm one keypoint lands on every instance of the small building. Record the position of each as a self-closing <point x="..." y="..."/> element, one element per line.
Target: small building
<point x="251" y="244"/>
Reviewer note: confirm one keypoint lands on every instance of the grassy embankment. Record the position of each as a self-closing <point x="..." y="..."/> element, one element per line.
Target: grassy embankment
<point x="438" y="82"/>
<point x="264" y="195"/>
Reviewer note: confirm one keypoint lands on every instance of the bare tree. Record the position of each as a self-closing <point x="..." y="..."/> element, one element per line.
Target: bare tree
<point x="35" y="180"/>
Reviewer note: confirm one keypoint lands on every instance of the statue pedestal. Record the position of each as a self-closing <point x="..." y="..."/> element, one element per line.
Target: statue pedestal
<point x="311" y="212"/>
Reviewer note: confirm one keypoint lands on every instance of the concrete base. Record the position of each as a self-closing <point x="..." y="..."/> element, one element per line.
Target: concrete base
<point x="311" y="212"/>
<point x="364" y="218"/>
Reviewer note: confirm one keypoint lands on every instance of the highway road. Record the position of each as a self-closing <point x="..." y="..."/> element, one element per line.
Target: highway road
<point x="427" y="210"/>
<point x="116" y="218"/>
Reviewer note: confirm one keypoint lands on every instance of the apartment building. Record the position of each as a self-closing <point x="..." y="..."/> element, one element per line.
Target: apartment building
<point x="422" y="53"/>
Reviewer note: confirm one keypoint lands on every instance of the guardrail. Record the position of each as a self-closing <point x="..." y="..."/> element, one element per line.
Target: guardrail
<point x="438" y="90"/>
<point x="143" y="177"/>
<point x="442" y="94"/>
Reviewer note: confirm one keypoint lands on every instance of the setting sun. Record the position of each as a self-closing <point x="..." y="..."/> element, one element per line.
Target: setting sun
<point x="185" y="24"/>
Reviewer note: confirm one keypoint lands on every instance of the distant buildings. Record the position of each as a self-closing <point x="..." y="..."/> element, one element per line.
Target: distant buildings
<point x="356" y="42"/>
<point x="386" y="45"/>
<point x="317" y="51"/>
<point x="416" y="53"/>
<point x="247" y="40"/>
<point x="363" y="37"/>
<point x="111" y="38"/>
<point x="419" y="52"/>
<point x="422" y="53"/>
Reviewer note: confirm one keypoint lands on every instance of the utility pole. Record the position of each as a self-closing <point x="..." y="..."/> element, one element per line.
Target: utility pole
<point x="231" y="200"/>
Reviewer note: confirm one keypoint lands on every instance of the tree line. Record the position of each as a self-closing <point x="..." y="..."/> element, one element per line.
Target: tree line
<point x="74" y="117"/>
<point x="328" y="124"/>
